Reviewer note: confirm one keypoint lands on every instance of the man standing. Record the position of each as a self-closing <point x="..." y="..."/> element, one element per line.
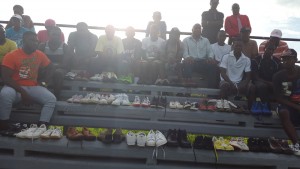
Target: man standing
<point x="235" y="22"/>
<point x="161" y="24"/>
<point x="212" y="22"/>
<point x="280" y="46"/>
<point x="288" y="110"/>
<point x="235" y="67"/>
<point x="82" y="42"/>
<point x="198" y="57"/>
<point x="20" y="72"/>
<point x="27" y="22"/>
<point x="250" y="48"/>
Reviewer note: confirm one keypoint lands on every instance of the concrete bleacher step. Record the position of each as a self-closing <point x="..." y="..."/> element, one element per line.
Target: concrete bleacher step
<point x="102" y="155"/>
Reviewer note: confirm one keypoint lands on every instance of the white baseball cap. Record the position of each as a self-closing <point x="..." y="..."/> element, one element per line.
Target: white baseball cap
<point x="17" y="16"/>
<point x="276" y="33"/>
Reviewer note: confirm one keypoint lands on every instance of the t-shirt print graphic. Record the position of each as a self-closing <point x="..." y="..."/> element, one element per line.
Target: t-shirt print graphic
<point x="24" y="72"/>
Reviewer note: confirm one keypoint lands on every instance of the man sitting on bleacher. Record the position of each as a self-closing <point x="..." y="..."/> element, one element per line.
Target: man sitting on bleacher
<point x="20" y="72"/>
<point x="288" y="107"/>
<point x="235" y="70"/>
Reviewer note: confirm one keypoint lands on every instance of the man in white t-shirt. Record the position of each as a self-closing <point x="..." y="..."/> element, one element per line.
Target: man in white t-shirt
<point x="220" y="48"/>
<point x="153" y="62"/>
<point x="235" y="70"/>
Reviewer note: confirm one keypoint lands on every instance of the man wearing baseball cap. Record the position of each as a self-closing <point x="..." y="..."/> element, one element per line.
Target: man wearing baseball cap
<point x="288" y="109"/>
<point x="43" y="35"/>
<point x="15" y="33"/>
<point x="275" y="39"/>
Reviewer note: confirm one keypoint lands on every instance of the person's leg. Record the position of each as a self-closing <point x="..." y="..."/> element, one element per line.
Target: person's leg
<point x="58" y="79"/>
<point x="8" y="96"/>
<point x="187" y="70"/>
<point x="284" y="115"/>
<point x="210" y="72"/>
<point x="249" y="91"/>
<point x="44" y="97"/>
<point x="262" y="91"/>
<point x="224" y="89"/>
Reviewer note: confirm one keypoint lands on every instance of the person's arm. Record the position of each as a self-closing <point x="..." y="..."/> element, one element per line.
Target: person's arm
<point x="163" y="31"/>
<point x="228" y="27"/>
<point x="224" y="76"/>
<point x="7" y="74"/>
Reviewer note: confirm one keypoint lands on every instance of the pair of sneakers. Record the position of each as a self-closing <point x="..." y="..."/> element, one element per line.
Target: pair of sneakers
<point x="156" y="139"/>
<point x="137" y="102"/>
<point x="52" y="134"/>
<point x="138" y="139"/>
<point x="121" y="99"/>
<point x="175" y="105"/>
<point x="33" y="132"/>
<point x="260" y="108"/>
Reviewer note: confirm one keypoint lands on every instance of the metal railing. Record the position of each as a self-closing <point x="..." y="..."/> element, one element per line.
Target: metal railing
<point x="144" y="31"/>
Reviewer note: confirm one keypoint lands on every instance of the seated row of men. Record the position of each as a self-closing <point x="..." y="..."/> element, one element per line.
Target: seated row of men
<point x="20" y="69"/>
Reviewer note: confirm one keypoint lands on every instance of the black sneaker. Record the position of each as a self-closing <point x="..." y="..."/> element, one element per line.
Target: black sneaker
<point x="172" y="138"/>
<point x="274" y="145"/>
<point x="162" y="102"/>
<point x="187" y="105"/>
<point x="182" y="139"/>
<point x="198" y="143"/>
<point x="154" y="102"/>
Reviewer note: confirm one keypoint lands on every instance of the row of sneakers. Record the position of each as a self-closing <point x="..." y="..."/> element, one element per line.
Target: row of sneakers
<point x="272" y="145"/>
<point x="152" y="139"/>
<point x="106" y="136"/>
<point x="103" y="99"/>
<point x="35" y="132"/>
<point x="105" y="77"/>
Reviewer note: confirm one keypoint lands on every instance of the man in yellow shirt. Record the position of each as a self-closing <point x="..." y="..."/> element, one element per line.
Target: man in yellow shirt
<point x="6" y="45"/>
<point x="109" y="48"/>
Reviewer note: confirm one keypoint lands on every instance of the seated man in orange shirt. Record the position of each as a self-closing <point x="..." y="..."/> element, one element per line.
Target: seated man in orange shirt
<point x="20" y="72"/>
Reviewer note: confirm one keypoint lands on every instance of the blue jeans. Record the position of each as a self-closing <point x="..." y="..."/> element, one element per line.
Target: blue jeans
<point x="39" y="94"/>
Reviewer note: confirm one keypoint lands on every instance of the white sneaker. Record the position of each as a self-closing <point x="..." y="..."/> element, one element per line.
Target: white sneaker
<point x="178" y="105"/>
<point x="226" y="105"/>
<point x="220" y="104"/>
<point x="172" y="105"/>
<point x="37" y="133"/>
<point x="141" y="139"/>
<point x="136" y="102"/>
<point x="56" y="134"/>
<point x="103" y="99"/>
<point x="160" y="139"/>
<point x="295" y="149"/>
<point x="146" y="102"/>
<point x="151" y="139"/>
<point x="95" y="77"/>
<point x="239" y="143"/>
<point x="125" y="100"/>
<point x="110" y="98"/>
<point x="118" y="101"/>
<point x="47" y="134"/>
<point x="130" y="138"/>
<point x="24" y="133"/>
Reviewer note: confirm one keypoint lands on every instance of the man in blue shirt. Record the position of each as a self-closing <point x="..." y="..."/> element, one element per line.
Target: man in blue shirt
<point x="15" y="33"/>
<point x="198" y="57"/>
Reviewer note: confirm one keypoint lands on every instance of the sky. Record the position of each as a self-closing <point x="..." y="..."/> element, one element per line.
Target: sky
<point x="264" y="15"/>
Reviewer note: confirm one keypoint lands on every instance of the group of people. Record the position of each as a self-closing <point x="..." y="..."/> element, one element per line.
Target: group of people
<point x="239" y="67"/>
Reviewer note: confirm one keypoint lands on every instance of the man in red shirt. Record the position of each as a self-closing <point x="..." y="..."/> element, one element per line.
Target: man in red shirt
<point x="43" y="35"/>
<point x="20" y="72"/>
<point x="235" y="22"/>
